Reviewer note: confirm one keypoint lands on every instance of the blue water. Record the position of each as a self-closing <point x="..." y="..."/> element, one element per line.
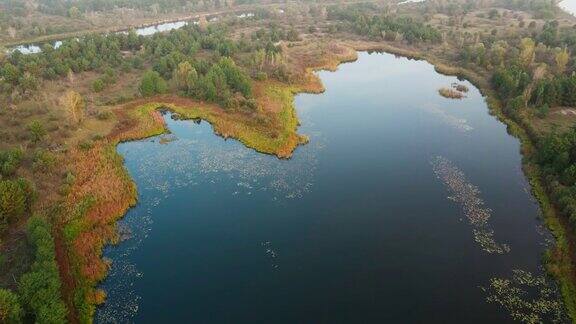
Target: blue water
<point x="357" y="227"/>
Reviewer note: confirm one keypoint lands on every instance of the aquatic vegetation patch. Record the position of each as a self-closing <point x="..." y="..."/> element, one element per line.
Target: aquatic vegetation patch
<point x="468" y="197"/>
<point x="528" y="298"/>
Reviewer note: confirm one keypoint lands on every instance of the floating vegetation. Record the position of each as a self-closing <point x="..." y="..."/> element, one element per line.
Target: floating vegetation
<point x="528" y="298"/>
<point x="451" y="93"/>
<point x="122" y="301"/>
<point x="459" y="124"/>
<point x="468" y="196"/>
<point x="207" y="161"/>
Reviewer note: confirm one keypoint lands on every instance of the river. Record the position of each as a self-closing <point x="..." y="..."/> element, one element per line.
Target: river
<point x="404" y="207"/>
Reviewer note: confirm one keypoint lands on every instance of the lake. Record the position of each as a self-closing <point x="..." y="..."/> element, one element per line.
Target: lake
<point x="404" y="207"/>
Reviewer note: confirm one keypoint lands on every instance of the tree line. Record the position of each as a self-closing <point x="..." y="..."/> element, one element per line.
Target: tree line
<point x="361" y="20"/>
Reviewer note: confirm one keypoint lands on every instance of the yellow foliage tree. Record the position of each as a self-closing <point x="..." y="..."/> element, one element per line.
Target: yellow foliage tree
<point x="527" y="51"/>
<point x="74" y="105"/>
<point x="203" y="23"/>
<point x="562" y="58"/>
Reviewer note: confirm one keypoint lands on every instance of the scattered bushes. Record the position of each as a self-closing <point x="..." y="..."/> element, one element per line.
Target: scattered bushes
<point x="39" y="289"/>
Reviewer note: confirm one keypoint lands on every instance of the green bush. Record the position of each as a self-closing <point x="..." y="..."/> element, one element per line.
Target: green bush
<point x="98" y="85"/>
<point x="15" y="199"/>
<point x="40" y="288"/>
<point x="10" y="161"/>
<point x="43" y="161"/>
<point x="10" y="310"/>
<point x="37" y="131"/>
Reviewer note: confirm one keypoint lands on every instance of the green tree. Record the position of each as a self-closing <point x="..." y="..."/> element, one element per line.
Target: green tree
<point x="74" y="13"/>
<point x="37" y="131"/>
<point x="152" y="83"/>
<point x="15" y="199"/>
<point x="98" y="85"/>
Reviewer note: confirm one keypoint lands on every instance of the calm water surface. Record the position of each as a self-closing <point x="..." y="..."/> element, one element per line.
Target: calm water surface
<point x="364" y="224"/>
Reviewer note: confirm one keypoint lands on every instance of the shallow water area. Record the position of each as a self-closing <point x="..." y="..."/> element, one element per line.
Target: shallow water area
<point x="404" y="207"/>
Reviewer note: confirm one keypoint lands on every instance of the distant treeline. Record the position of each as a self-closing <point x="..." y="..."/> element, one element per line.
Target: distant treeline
<point x="390" y="27"/>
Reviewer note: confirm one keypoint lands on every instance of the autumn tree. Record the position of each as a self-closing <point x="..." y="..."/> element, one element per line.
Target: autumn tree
<point x="203" y="23"/>
<point x="562" y="57"/>
<point x="527" y="50"/>
<point x="74" y="105"/>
